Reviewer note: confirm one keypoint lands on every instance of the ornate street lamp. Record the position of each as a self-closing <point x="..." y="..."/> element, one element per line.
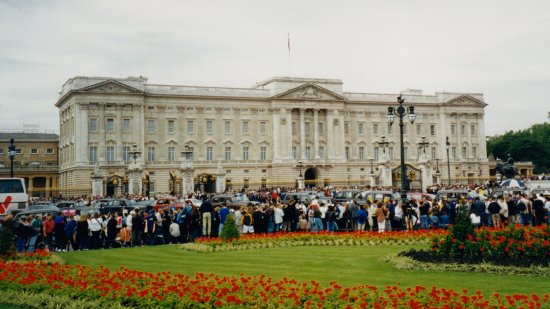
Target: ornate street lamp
<point x="448" y="144"/>
<point x="371" y="169"/>
<point x="383" y="143"/>
<point x="187" y="154"/>
<point x="11" y="155"/>
<point x="401" y="112"/>
<point x="134" y="153"/>
<point x="423" y="144"/>
<point x="300" y="165"/>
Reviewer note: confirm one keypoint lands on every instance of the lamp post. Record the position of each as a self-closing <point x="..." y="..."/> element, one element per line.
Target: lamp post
<point x="134" y="153"/>
<point x="383" y="143"/>
<point x="401" y="112"/>
<point x="11" y="155"/>
<point x="448" y="145"/>
<point x="423" y="144"/>
<point x="371" y="168"/>
<point x="300" y="165"/>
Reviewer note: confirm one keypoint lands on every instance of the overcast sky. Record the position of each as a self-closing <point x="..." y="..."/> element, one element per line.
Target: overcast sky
<point x="499" y="48"/>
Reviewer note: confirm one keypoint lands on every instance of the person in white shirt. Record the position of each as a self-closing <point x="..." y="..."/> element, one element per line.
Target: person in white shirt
<point x="503" y="211"/>
<point x="278" y="215"/>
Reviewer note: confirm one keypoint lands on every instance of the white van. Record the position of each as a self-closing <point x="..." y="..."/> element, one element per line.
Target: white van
<point x="13" y="195"/>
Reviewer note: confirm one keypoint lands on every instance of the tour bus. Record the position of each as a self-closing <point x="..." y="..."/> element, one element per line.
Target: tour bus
<point x="13" y="195"/>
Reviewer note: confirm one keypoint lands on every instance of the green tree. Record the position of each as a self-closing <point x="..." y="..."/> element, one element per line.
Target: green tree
<point x="230" y="231"/>
<point x="525" y="145"/>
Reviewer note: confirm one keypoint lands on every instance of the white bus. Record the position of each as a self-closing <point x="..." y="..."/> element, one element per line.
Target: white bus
<point x="13" y="195"/>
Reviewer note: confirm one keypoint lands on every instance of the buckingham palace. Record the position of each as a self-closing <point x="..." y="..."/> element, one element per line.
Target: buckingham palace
<point x="281" y="132"/>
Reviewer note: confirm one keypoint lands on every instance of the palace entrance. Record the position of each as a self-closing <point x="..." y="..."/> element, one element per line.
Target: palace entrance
<point x="205" y="183"/>
<point x="414" y="177"/>
<point x="310" y="177"/>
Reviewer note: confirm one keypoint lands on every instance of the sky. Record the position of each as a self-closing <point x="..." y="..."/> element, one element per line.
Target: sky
<point x="498" y="48"/>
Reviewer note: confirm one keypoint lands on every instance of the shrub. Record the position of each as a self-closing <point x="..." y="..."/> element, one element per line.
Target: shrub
<point x="230" y="231"/>
<point x="7" y="245"/>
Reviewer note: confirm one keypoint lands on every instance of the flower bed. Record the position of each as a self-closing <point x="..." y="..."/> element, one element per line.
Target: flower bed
<point x="300" y="239"/>
<point x="513" y="245"/>
<point x="145" y="290"/>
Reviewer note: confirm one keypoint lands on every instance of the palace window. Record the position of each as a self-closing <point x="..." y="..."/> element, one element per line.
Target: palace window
<point x="473" y="129"/>
<point x="375" y="128"/>
<point x="126" y="153"/>
<point x="92" y="125"/>
<point x="150" y="154"/>
<point x="361" y="153"/>
<point x="263" y="153"/>
<point x="110" y="126"/>
<point x="209" y="127"/>
<point x="308" y="152"/>
<point x="228" y="153"/>
<point x="432" y="130"/>
<point x="322" y="152"/>
<point x="151" y="125"/>
<point x="190" y="126"/>
<point x="321" y="129"/>
<point x="227" y="127"/>
<point x="360" y="129"/>
<point x="245" y="127"/>
<point x="171" y="154"/>
<point x="418" y="129"/>
<point x="245" y="153"/>
<point x="110" y="154"/>
<point x="125" y="125"/>
<point x="92" y="156"/>
<point x="209" y="153"/>
<point x="263" y="127"/>
<point x="171" y="126"/>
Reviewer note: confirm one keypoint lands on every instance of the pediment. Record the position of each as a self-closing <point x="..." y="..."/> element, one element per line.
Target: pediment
<point x="110" y="86"/>
<point x="466" y="100"/>
<point x="309" y="91"/>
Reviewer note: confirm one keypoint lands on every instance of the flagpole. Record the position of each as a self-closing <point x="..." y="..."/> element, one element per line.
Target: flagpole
<point x="289" y="63"/>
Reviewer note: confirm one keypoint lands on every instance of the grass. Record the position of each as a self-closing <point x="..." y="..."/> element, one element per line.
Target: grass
<point x="345" y="265"/>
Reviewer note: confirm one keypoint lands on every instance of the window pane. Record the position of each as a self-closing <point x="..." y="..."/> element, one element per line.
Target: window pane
<point x="190" y="126"/>
<point x="126" y="125"/>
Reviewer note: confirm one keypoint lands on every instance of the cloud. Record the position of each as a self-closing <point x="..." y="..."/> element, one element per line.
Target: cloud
<point x="498" y="48"/>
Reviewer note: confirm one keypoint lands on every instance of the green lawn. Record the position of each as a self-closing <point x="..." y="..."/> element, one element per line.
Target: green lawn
<point x="346" y="265"/>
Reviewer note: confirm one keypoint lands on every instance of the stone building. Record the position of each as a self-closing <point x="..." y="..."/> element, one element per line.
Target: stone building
<point x="35" y="160"/>
<point x="262" y="136"/>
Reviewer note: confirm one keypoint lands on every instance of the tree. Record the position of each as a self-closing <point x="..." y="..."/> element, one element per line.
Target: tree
<point x="525" y="145"/>
<point x="230" y="231"/>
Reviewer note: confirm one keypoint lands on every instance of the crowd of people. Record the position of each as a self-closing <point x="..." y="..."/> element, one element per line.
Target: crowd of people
<point x="139" y="226"/>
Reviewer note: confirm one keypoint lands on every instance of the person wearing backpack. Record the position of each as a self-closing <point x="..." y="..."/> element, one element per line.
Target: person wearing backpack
<point x="247" y="222"/>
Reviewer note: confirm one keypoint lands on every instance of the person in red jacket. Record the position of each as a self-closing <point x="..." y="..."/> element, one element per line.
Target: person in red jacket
<point x="48" y="227"/>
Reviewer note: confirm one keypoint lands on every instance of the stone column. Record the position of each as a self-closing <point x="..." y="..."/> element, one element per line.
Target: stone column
<point x="47" y="189"/>
<point x="101" y="126"/>
<point x="276" y="139"/>
<point x="31" y="186"/>
<point x="135" y="183"/>
<point x="188" y="175"/>
<point x="340" y="138"/>
<point x="97" y="185"/>
<point x="330" y="135"/>
<point x="301" y="183"/>
<point x="289" y="133"/>
<point x="316" y="134"/>
<point x="220" y="178"/>
<point x="302" y="134"/>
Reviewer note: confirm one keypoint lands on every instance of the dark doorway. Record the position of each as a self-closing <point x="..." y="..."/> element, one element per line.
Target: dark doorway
<point x="110" y="189"/>
<point x="310" y="177"/>
<point x="206" y="183"/>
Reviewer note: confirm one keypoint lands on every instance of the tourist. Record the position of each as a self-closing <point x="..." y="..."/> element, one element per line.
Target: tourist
<point x="381" y="214"/>
<point x="494" y="210"/>
<point x="59" y="233"/>
<point x="247" y="222"/>
<point x="206" y="211"/>
<point x="48" y="227"/>
<point x="361" y="218"/>
<point x="82" y="232"/>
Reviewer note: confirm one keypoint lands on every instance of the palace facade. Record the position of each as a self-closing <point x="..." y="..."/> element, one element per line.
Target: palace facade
<point x="262" y="136"/>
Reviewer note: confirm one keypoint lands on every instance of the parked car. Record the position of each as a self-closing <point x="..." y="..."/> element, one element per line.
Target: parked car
<point x="451" y="195"/>
<point x="232" y="201"/>
<point x="498" y="192"/>
<point x="117" y="205"/>
<point x="348" y="196"/>
<point x="43" y="207"/>
<point x="376" y="195"/>
<point x="41" y="212"/>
